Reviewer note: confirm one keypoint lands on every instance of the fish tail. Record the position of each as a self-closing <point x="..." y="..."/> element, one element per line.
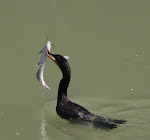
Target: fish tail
<point x="45" y="86"/>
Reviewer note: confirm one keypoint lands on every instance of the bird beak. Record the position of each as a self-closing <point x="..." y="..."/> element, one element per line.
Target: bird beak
<point x="48" y="51"/>
<point x="51" y="56"/>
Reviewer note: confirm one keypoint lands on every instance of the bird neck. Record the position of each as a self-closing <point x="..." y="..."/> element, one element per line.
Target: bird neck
<point x="63" y="86"/>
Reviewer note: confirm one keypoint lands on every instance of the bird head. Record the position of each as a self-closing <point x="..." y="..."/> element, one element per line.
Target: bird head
<point x="60" y="60"/>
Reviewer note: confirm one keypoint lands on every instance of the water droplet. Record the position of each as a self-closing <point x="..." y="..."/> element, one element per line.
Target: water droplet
<point x="63" y="129"/>
<point x="131" y="89"/>
<point x="17" y="133"/>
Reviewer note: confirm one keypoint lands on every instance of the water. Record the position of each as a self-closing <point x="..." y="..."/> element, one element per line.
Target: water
<point x="108" y="45"/>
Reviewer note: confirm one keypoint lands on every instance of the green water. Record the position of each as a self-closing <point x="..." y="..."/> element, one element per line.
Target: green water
<point x="108" y="45"/>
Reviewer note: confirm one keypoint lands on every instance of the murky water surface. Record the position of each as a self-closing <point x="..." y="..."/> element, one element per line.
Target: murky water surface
<point x="108" y="44"/>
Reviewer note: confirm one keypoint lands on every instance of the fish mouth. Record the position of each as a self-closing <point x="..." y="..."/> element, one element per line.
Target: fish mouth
<point x="51" y="56"/>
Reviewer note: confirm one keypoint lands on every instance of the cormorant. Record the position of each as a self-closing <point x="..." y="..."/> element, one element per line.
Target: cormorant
<point x="66" y="109"/>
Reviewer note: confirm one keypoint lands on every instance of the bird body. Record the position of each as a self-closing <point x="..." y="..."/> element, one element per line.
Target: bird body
<point x="71" y="111"/>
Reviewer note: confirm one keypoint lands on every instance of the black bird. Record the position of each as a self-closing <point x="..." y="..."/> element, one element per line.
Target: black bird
<point x="66" y="109"/>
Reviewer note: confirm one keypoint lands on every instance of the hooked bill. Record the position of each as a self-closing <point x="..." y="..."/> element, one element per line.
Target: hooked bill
<point x="41" y="64"/>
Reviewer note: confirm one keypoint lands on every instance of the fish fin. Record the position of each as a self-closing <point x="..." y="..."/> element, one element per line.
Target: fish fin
<point x="40" y="52"/>
<point x="38" y="74"/>
<point x="38" y="64"/>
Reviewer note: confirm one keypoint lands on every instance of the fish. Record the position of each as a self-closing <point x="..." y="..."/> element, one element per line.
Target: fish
<point x="41" y="65"/>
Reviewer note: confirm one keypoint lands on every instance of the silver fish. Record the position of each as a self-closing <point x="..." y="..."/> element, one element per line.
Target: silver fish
<point x="41" y="64"/>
